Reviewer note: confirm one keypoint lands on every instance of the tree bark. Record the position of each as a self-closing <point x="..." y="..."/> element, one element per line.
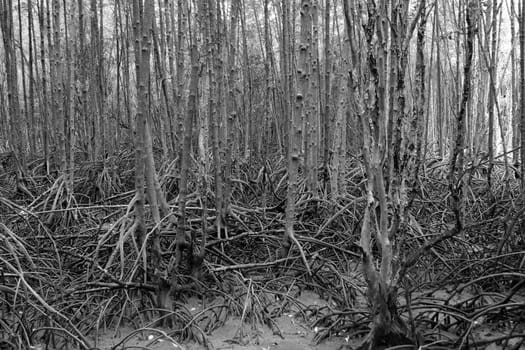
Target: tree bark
<point x="522" y="90"/>
<point x="295" y="132"/>
<point x="327" y="135"/>
<point x="457" y="157"/>
<point x="16" y="119"/>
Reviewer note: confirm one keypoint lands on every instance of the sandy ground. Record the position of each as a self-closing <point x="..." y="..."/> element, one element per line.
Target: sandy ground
<point x="296" y="335"/>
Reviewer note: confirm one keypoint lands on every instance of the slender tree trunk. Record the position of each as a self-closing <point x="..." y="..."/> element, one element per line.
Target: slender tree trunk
<point x="16" y="119"/>
<point x="522" y="90"/>
<point x="339" y="133"/>
<point x="440" y="120"/>
<point x="326" y="103"/>
<point x="267" y="49"/>
<point x="83" y="78"/>
<point x="160" y="66"/>
<point x="457" y="157"/>
<point x="177" y="83"/>
<point x="26" y="130"/>
<point x="117" y="105"/>
<point x="101" y="84"/>
<point x="142" y="70"/>
<point x="31" y="66"/>
<point x="285" y="70"/>
<point x="294" y="147"/>
<point x="415" y="140"/>
<point x="181" y="242"/>
<point x="45" y="105"/>
<point x="209" y="26"/>
<point x="96" y="87"/>
<point x="492" y="91"/>
<point x="514" y="92"/>
<point x="231" y="105"/>
<point x="71" y="97"/>
<point x="58" y="89"/>
<point x="247" y="87"/>
<point x="161" y="84"/>
<point x="315" y="93"/>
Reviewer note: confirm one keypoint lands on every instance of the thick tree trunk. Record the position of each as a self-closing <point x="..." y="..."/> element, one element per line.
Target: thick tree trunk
<point x="381" y="96"/>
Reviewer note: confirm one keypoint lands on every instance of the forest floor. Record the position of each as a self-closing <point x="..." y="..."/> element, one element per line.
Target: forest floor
<point x="72" y="274"/>
<point x="293" y="334"/>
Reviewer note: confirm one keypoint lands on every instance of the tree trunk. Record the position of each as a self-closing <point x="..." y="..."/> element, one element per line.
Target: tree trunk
<point x="294" y="146"/>
<point x="295" y="131"/>
<point x="514" y="112"/>
<point x="313" y="96"/>
<point x="327" y="136"/>
<point x="231" y="105"/>
<point x="16" y="119"/>
<point x="373" y="103"/>
<point x="492" y="92"/>
<point x="32" y="68"/>
<point x="440" y="120"/>
<point x="26" y="128"/>
<point x="522" y="89"/>
<point x="142" y="68"/>
<point x="457" y="158"/>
